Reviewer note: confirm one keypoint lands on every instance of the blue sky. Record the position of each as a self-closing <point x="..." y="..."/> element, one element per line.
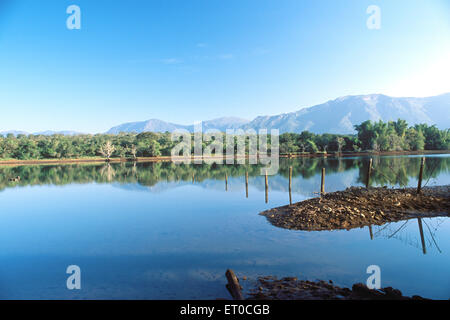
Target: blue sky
<point x="184" y="61"/>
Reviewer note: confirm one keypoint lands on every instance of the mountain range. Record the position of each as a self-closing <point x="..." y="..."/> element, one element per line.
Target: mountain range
<point x="334" y="116"/>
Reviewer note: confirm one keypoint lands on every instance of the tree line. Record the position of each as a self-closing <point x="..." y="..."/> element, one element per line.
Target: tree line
<point x="370" y="136"/>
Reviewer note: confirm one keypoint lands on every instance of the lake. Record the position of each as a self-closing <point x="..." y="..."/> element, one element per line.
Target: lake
<point x="166" y="231"/>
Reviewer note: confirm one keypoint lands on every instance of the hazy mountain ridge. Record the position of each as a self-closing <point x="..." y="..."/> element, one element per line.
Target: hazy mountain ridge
<point x="341" y="114"/>
<point x="334" y="116"/>
<point x="156" y="125"/>
<point x="44" y="133"/>
<point x="153" y="125"/>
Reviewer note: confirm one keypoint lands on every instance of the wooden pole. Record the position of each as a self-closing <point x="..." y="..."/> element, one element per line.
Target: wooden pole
<point x="424" y="249"/>
<point x="246" y="184"/>
<point x="419" y="184"/>
<point x="267" y="188"/>
<point x="322" y="184"/>
<point x="371" y="233"/>
<point x="233" y="285"/>
<point x="369" y="172"/>
<point x="290" y="185"/>
<point x="226" y="182"/>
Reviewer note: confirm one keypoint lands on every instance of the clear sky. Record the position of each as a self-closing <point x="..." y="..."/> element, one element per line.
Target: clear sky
<point x="191" y="60"/>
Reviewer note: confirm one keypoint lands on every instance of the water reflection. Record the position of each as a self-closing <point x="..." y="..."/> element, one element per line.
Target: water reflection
<point x="390" y="171"/>
<point x="407" y="232"/>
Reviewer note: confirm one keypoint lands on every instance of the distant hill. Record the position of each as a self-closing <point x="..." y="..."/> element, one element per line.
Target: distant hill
<point x="334" y="116"/>
<point x="65" y="133"/>
<point x="14" y="132"/>
<point x="152" y="125"/>
<point x="155" y="125"/>
<point x="45" y="133"/>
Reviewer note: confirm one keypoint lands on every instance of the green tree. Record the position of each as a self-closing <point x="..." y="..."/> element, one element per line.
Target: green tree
<point x="415" y="140"/>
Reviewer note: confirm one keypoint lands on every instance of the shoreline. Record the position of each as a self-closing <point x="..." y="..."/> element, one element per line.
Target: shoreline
<point x="169" y="158"/>
<point x="291" y="288"/>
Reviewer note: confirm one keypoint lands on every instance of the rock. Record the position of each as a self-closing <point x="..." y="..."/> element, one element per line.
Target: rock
<point x="290" y="288"/>
<point x="360" y="289"/>
<point x="391" y="292"/>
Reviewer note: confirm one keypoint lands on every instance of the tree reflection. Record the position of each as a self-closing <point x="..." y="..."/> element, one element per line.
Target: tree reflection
<point x="390" y="171"/>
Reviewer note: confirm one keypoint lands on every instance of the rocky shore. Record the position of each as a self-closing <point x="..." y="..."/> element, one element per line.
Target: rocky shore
<point x="358" y="207"/>
<point x="271" y="288"/>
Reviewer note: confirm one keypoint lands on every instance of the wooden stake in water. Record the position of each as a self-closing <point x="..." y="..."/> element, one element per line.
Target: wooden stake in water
<point x="233" y="285"/>
<point x="267" y="188"/>
<point x="424" y="249"/>
<point x="226" y="182"/>
<point x="371" y="233"/>
<point x="246" y="184"/>
<point x="419" y="184"/>
<point x="369" y="172"/>
<point x="322" y="184"/>
<point x="290" y="185"/>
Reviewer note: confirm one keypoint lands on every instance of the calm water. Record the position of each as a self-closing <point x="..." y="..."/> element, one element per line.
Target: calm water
<point x="149" y="232"/>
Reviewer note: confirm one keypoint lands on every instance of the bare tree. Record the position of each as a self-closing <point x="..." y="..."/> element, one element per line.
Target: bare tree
<point x="107" y="150"/>
<point x="340" y="142"/>
<point x="133" y="151"/>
